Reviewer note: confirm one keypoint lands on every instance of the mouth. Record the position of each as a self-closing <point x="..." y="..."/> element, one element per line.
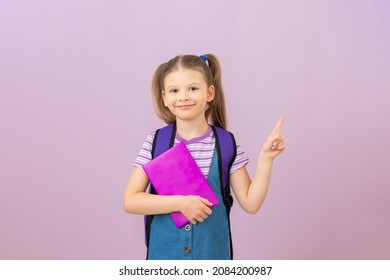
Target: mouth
<point x="184" y="107"/>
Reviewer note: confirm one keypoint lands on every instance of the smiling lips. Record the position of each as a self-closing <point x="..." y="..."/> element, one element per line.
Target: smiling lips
<point x="184" y="107"/>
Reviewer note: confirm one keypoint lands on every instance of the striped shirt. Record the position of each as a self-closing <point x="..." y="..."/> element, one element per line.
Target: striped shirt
<point x="201" y="148"/>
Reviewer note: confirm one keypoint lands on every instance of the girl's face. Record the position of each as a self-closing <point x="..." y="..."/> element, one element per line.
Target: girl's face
<point x="186" y="94"/>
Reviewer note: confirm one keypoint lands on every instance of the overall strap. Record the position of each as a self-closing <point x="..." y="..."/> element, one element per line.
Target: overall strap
<point x="227" y="151"/>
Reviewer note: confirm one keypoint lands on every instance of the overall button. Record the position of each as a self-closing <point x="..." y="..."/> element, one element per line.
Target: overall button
<point x="187" y="250"/>
<point x="188" y="227"/>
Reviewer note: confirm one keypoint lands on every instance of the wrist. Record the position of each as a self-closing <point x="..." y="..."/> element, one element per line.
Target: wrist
<point x="265" y="158"/>
<point x="178" y="203"/>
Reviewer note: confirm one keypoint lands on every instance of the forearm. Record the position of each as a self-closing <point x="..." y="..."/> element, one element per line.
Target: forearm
<point x="149" y="204"/>
<point x="194" y="208"/>
<point x="258" y="188"/>
<point x="251" y="194"/>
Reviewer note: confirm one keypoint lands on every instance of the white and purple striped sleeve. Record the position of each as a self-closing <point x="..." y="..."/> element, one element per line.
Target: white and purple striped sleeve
<point x="145" y="154"/>
<point x="241" y="159"/>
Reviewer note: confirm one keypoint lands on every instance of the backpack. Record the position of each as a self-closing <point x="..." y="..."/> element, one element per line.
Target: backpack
<point x="226" y="148"/>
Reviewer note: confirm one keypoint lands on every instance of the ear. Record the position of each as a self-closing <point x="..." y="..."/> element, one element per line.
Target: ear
<point x="164" y="99"/>
<point x="210" y="93"/>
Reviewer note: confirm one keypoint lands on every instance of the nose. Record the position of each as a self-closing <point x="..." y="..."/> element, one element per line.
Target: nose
<point x="183" y="95"/>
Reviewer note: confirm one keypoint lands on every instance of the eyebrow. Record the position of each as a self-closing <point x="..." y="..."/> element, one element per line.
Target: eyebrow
<point x="191" y="84"/>
<point x="195" y="84"/>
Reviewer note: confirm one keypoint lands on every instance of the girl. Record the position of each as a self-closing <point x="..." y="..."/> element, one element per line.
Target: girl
<point x="187" y="91"/>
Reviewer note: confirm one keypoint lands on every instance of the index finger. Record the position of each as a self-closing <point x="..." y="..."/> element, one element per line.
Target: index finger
<point x="279" y="125"/>
<point x="206" y="201"/>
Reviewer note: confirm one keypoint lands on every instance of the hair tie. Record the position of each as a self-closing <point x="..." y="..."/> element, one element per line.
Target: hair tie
<point x="204" y="57"/>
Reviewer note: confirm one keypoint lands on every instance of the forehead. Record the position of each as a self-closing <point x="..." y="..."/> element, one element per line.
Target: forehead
<point x="184" y="76"/>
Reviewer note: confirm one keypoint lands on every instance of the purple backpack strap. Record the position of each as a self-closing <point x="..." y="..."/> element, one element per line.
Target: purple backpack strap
<point x="163" y="140"/>
<point x="227" y="151"/>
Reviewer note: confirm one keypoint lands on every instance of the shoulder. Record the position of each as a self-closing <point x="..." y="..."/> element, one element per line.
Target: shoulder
<point x="148" y="143"/>
<point x="223" y="135"/>
<point x="145" y="154"/>
<point x="233" y="150"/>
<point x="149" y="138"/>
<point x="225" y="138"/>
<point x="165" y="129"/>
<point x="220" y="129"/>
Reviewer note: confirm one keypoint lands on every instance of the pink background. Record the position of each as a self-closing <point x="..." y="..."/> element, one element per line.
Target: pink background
<point x="75" y="109"/>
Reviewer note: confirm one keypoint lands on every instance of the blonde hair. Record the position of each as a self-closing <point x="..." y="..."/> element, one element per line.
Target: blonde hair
<point x="216" y="111"/>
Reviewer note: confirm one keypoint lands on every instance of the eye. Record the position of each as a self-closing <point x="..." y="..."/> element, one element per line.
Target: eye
<point x="173" y="90"/>
<point x="192" y="89"/>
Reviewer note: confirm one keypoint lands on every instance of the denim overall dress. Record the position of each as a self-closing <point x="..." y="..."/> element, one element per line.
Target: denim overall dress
<point x="208" y="240"/>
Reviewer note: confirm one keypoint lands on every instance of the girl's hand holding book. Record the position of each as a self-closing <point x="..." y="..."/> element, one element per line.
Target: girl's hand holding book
<point x="195" y="208"/>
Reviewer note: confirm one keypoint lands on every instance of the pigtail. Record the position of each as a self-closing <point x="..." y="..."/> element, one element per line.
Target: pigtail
<point x="158" y="102"/>
<point x="217" y="108"/>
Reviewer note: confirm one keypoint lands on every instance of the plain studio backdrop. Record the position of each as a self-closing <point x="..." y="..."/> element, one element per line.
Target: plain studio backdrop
<point x="76" y="107"/>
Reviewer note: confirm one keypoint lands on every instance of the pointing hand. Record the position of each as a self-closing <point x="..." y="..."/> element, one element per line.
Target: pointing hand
<point x="274" y="145"/>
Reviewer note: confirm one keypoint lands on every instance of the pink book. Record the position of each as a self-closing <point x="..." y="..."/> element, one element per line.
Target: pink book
<point x="175" y="172"/>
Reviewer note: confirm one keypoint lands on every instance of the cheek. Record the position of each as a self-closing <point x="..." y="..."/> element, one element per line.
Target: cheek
<point x="169" y="101"/>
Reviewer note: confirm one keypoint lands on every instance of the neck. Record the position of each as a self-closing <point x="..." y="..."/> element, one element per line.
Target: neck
<point x="192" y="129"/>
